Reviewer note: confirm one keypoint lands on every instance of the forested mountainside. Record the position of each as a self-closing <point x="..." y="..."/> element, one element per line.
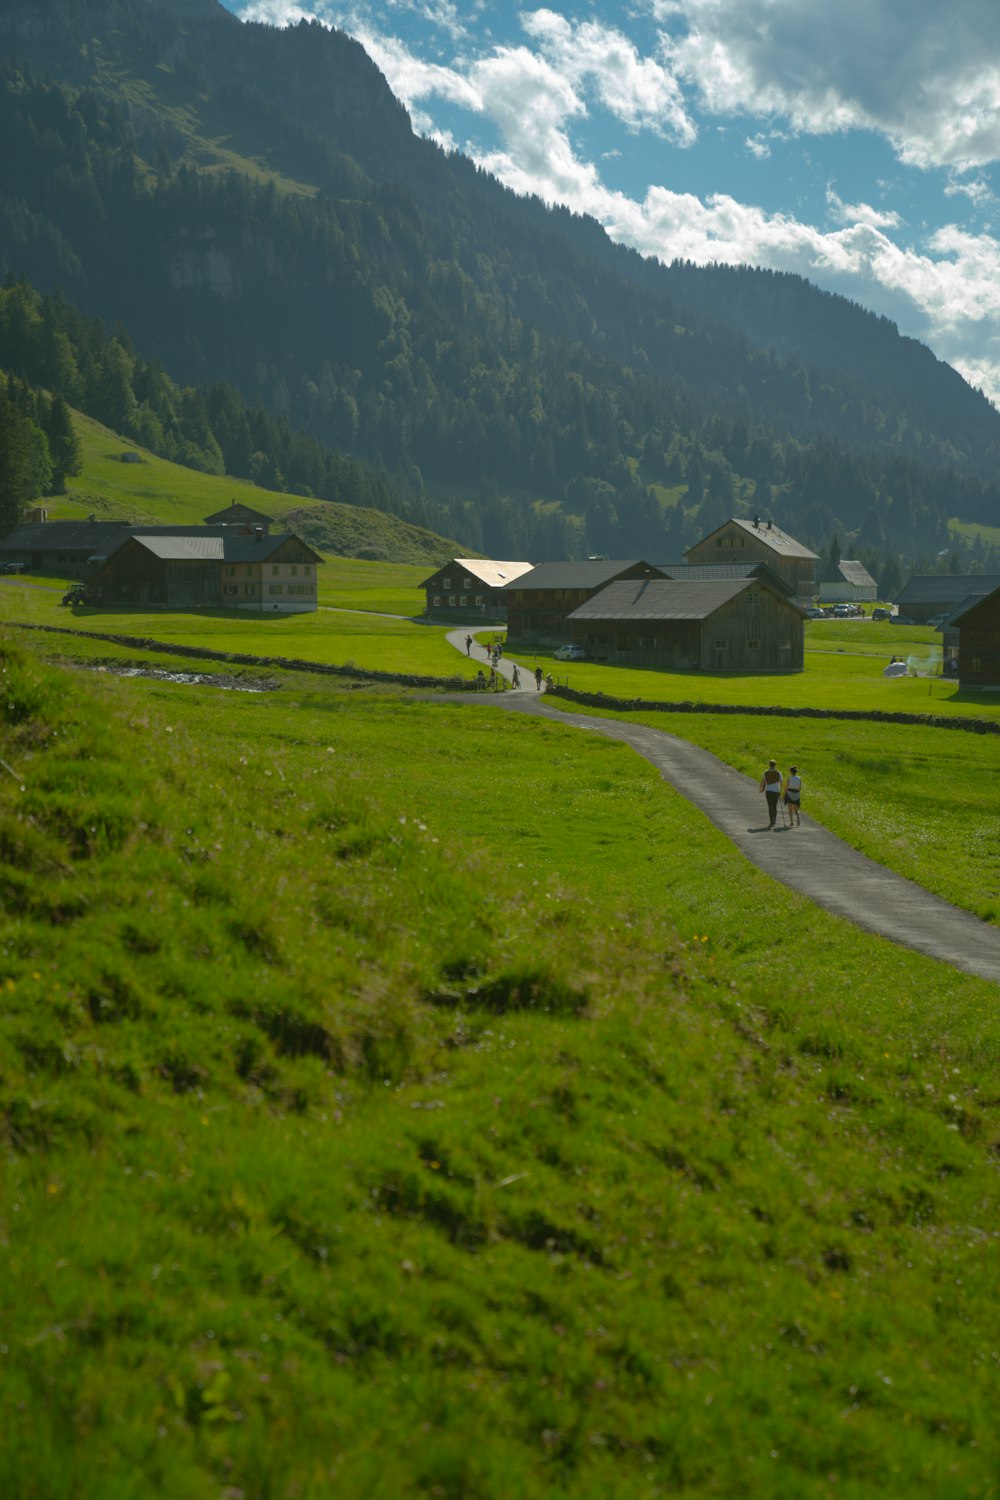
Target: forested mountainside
<point x="249" y="206"/>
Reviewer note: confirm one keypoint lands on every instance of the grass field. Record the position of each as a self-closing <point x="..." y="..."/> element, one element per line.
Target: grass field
<point x="406" y="1099"/>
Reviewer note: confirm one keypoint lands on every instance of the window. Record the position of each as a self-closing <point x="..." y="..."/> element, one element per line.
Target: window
<point x="721" y="645"/>
<point x="480" y="601"/>
<point x="248" y="588"/>
<point x="753" y="601"/>
<point x="307" y="569"/>
<point x="299" y="588"/>
<point x="275" y="570"/>
<point x="451" y="601"/>
<point x="436" y="602"/>
<point x="229" y="588"/>
<point x="467" y="583"/>
<point x="294" y="570"/>
<point x="249" y="571"/>
<point x="446" y="583"/>
<point x="275" y="588"/>
<point x="230" y="572"/>
<point x="753" y="645"/>
<point x="464" y="600"/>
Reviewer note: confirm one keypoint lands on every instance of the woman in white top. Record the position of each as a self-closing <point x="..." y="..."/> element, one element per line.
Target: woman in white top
<point x="793" y="795"/>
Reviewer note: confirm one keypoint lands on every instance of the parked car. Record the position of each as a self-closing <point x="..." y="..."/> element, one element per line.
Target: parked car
<point x="11" y="567"/>
<point x="902" y="620"/>
<point x="881" y="614"/>
<point x="812" y="613"/>
<point x="571" y="653"/>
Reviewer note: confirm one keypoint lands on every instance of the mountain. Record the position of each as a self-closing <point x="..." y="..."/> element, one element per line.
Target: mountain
<point x="250" y="205"/>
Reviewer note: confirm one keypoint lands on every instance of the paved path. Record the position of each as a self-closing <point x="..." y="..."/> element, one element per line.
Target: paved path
<point x="808" y="859"/>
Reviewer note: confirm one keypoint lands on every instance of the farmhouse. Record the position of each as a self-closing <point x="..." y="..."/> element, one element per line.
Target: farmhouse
<point x="761" y="541"/>
<point x="847" y="582"/>
<point x="238" y="514"/>
<point x="732" y="625"/>
<point x="977" y="624"/>
<point x="929" y="594"/>
<point x="540" y="603"/>
<point x="209" y="569"/>
<point x="468" y="588"/>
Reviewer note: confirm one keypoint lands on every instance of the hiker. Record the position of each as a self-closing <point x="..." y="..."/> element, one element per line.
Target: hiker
<point x="770" y="785"/>
<point x="515" y="681"/>
<point x="468" y="645"/>
<point x="538" y="679"/>
<point x="793" y="796"/>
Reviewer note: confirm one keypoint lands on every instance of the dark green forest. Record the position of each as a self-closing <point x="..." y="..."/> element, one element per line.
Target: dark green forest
<point x="337" y="307"/>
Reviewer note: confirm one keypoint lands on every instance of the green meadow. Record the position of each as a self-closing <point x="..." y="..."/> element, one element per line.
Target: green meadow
<point x="405" y="1098"/>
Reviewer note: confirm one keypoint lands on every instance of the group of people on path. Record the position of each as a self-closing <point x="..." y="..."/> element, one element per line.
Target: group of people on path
<point x="775" y="787"/>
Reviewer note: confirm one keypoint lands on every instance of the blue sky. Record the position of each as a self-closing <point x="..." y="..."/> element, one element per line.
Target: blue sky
<point x="855" y="142"/>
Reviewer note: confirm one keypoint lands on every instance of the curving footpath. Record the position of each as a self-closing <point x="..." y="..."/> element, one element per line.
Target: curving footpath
<point x="808" y="859"/>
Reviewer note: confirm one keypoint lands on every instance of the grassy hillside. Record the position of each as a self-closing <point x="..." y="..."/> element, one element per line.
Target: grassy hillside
<point x="157" y="492"/>
<point x="374" y="1125"/>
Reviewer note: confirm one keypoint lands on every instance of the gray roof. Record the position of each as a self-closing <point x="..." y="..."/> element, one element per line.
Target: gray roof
<point x="62" y="536"/>
<point x="237" y="511"/>
<point x="661" y="599"/>
<point x="946" y="588"/>
<point x="686" y="572"/>
<point x="195" y="545"/>
<point x="772" y="536"/>
<point x="592" y="574"/>
<point x="493" y="574"/>
<point x="848" y="571"/>
<point x="970" y="600"/>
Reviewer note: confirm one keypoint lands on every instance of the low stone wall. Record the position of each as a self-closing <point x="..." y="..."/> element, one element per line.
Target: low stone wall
<point x="870" y="716"/>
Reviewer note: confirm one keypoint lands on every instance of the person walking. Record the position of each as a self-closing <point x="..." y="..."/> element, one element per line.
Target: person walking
<point x="538" y="679"/>
<point x="770" y="785"/>
<point x="468" y="645"/>
<point x="793" y="796"/>
<point x="515" y="680"/>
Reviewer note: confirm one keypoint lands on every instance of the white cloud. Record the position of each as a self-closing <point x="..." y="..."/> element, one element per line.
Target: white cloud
<point x="859" y="213"/>
<point x="923" y="74"/>
<point x="639" y="91"/>
<point x="758" y="146"/>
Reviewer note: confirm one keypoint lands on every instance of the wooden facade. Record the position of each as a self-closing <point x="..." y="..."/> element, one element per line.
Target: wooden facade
<point x="978" y="629"/>
<point x="761" y="541"/>
<point x="732" y="626"/>
<point x="540" y="604"/>
<point x="928" y="594"/>
<point x="264" y="574"/>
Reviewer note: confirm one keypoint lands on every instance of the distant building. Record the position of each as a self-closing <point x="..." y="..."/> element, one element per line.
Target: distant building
<point x="471" y="588"/>
<point x="761" y="541"/>
<point x="540" y="603"/>
<point x="209" y="569"/>
<point x="238" y="514"/>
<point x="846" y="582"/>
<point x="929" y="594"/>
<point x="60" y="547"/>
<point x="729" y="625"/>
<point x="977" y="625"/>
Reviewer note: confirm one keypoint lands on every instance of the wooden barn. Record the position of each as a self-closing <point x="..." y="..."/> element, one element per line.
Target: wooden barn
<point x="540" y="604"/>
<point x="761" y="541"/>
<point x="978" y="628"/>
<point x="471" y="588"/>
<point x="60" y="547"/>
<point x="685" y="572"/>
<point x="928" y="594"/>
<point x="211" y="569"/>
<point x="734" y="625"/>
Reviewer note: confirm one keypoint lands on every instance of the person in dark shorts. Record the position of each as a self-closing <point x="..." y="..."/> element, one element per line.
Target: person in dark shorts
<point x="770" y="785"/>
<point x="793" y="795"/>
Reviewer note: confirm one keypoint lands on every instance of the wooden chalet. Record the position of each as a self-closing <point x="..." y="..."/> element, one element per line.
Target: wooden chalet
<point x="238" y="514"/>
<point x="540" y="603"/>
<point x="209" y="569"/>
<point x="761" y="541"/>
<point x="977" y="625"/>
<point x="929" y="594"/>
<point x="730" y="625"/>
<point x="471" y="588"/>
<point x="847" y="582"/>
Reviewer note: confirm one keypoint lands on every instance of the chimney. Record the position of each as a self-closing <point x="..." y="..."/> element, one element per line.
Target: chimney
<point x="258" y="533"/>
<point x="756" y="522"/>
<point x="770" y="525"/>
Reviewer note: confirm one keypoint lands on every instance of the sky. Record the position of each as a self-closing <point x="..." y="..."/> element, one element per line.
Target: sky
<point x="855" y="142"/>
